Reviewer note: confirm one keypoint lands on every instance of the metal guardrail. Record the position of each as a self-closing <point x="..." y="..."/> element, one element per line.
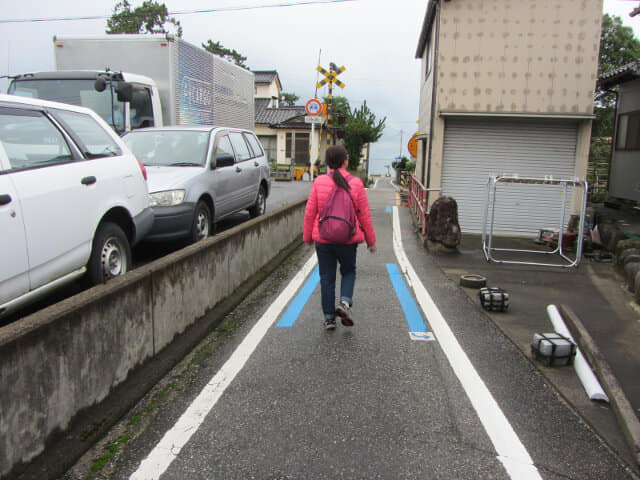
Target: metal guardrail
<point x="489" y="218"/>
<point x="419" y="201"/>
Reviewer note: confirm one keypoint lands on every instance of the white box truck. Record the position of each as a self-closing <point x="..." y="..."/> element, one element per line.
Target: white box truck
<point x="136" y="81"/>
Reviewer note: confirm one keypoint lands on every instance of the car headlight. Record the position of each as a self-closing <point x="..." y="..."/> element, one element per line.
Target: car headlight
<point x="168" y="198"/>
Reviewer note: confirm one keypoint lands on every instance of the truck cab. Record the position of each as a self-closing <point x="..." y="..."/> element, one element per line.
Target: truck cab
<point x="125" y="101"/>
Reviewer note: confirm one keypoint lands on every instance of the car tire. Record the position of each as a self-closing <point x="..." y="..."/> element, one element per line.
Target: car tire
<point x="201" y="226"/>
<point x="473" y="281"/>
<point x="110" y="254"/>
<point x="261" y="203"/>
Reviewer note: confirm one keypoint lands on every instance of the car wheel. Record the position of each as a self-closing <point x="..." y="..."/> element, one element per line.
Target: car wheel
<point x="110" y="255"/>
<point x="261" y="203"/>
<point x="201" y="227"/>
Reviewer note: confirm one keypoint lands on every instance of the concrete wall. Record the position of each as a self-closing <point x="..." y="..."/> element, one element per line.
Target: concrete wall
<point x="72" y="355"/>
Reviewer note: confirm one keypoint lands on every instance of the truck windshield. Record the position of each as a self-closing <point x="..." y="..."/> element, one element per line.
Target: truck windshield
<point x="75" y="92"/>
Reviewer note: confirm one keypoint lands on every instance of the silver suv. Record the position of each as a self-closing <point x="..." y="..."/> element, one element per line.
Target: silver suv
<point x="198" y="175"/>
<point x="73" y="199"/>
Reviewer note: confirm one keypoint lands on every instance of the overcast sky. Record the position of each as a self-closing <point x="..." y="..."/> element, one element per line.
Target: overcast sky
<point x="374" y="39"/>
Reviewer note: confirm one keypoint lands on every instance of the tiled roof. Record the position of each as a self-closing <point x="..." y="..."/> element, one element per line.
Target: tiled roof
<point x="630" y="71"/>
<point x="265" y="76"/>
<point x="278" y="117"/>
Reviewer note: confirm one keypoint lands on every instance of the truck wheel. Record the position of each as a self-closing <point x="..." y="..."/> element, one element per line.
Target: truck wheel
<point x="201" y="227"/>
<point x="261" y="203"/>
<point x="110" y="254"/>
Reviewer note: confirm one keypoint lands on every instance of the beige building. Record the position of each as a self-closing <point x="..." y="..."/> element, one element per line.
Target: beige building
<point x="282" y="129"/>
<point x="507" y="87"/>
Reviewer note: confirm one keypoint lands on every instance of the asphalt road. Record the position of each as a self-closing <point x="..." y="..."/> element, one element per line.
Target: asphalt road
<point x="366" y="402"/>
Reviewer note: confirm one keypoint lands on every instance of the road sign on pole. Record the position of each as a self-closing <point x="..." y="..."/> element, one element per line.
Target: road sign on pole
<point x="313" y="107"/>
<point x="313" y="120"/>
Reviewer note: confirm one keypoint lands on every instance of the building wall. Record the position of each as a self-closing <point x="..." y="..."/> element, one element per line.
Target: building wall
<point x="624" y="179"/>
<point x="509" y="57"/>
<point x="267" y="91"/>
<point x="425" y="107"/>
<point x="534" y="56"/>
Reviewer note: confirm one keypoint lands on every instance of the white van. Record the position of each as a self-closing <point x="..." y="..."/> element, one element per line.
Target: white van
<point x="73" y="199"/>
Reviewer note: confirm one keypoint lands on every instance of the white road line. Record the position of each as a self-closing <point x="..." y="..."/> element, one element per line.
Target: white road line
<point x="511" y="452"/>
<point x="169" y="447"/>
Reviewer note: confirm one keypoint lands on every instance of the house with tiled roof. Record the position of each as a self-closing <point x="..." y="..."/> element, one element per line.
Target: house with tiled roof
<point x="506" y="87"/>
<point x="281" y="129"/>
<point x="624" y="163"/>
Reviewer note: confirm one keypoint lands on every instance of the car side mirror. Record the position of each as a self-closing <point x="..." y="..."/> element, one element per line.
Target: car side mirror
<point x="224" y="160"/>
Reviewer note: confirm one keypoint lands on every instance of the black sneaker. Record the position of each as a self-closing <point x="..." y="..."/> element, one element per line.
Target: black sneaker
<point x="329" y="323"/>
<point x="343" y="312"/>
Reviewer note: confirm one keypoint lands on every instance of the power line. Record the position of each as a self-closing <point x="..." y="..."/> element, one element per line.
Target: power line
<point x="185" y="12"/>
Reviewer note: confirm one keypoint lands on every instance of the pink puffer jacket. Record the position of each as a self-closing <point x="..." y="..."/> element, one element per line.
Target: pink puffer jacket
<point x="320" y="191"/>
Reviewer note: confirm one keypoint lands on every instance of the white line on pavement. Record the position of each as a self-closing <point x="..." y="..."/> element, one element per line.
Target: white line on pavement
<point x="511" y="452"/>
<point x="169" y="447"/>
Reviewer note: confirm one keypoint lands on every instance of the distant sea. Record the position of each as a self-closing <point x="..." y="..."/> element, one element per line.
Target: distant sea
<point x="378" y="167"/>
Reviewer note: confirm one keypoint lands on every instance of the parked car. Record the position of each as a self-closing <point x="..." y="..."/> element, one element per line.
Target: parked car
<point x="198" y="175"/>
<point x="73" y="199"/>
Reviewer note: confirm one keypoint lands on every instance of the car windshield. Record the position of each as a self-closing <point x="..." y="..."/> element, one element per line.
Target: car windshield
<point x="169" y="147"/>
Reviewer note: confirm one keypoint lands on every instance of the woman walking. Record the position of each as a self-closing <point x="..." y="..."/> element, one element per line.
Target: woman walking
<point x="330" y="253"/>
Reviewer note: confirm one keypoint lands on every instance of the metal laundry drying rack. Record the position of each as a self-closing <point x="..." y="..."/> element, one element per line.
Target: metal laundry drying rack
<point x="488" y="222"/>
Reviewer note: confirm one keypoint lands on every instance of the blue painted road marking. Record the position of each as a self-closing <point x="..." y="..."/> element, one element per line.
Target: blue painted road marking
<point x="298" y="303"/>
<point x="411" y="312"/>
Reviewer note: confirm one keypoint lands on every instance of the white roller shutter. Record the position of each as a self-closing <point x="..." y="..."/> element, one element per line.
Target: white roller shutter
<point x="475" y="149"/>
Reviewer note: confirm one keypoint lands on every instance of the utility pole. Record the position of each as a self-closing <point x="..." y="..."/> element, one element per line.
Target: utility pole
<point x="400" y="154"/>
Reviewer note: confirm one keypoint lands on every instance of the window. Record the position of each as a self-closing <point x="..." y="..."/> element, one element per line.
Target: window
<point x="269" y="143"/>
<point x="240" y="146"/>
<point x="223" y="149"/>
<point x="427" y="61"/>
<point x="297" y="148"/>
<point x="140" y="108"/>
<point x="94" y="141"/>
<point x="31" y="140"/>
<point x="301" y="149"/>
<point x="75" y="92"/>
<point x="288" y="146"/>
<point x="254" y="144"/>
<point x="628" y="131"/>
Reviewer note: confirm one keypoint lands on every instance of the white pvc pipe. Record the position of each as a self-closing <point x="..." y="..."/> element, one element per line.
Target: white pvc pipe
<point x="585" y="374"/>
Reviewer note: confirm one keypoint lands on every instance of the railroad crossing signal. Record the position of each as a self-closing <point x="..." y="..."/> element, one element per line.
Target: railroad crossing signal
<point x="331" y="76"/>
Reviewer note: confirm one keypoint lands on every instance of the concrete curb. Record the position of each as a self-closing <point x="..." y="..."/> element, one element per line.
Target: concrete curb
<point x="622" y="408"/>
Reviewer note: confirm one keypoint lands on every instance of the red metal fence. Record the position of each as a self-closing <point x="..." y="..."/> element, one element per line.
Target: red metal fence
<point x="419" y="201"/>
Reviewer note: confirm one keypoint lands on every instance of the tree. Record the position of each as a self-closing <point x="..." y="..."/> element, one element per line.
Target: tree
<point x="361" y="127"/>
<point x="150" y="17"/>
<point x="339" y="105"/>
<point x="229" y="54"/>
<point x="618" y="47"/>
<point x="289" y="99"/>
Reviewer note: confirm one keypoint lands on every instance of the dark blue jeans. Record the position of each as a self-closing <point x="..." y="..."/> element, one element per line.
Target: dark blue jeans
<point x="329" y="255"/>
